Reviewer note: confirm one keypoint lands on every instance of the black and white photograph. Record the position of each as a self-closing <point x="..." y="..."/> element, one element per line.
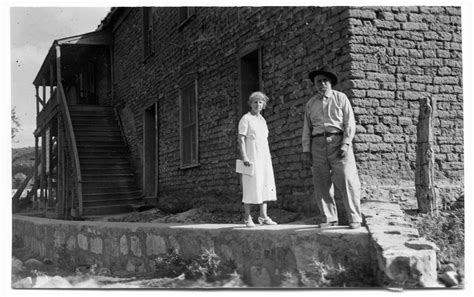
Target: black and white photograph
<point x="308" y="147"/>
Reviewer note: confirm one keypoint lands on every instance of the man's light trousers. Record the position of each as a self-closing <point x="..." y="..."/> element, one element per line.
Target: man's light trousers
<point x="330" y="169"/>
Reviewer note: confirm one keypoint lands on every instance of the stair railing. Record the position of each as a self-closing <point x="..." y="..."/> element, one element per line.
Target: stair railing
<point x="122" y="129"/>
<point x="71" y="144"/>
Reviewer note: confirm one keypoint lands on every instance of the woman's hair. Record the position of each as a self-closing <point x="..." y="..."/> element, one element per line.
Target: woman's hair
<point x="259" y="95"/>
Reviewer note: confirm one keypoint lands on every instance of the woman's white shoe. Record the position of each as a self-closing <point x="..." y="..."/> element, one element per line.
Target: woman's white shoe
<point x="266" y="221"/>
<point x="249" y="223"/>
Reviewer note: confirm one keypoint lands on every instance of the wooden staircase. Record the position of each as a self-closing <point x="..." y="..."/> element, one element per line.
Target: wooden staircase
<point x="108" y="180"/>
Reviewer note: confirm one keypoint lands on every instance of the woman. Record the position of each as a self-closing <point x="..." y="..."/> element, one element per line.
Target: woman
<point x="260" y="187"/>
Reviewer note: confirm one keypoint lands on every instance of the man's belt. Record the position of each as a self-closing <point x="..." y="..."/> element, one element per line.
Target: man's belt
<point x="326" y="134"/>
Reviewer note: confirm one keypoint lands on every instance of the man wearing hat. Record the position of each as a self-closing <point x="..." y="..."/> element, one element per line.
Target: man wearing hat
<point x="329" y="127"/>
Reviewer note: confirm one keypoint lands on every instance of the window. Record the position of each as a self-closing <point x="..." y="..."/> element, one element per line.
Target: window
<point x="185" y="13"/>
<point x="150" y="151"/>
<point x="250" y="77"/>
<point x="189" y="125"/>
<point x="148" y="48"/>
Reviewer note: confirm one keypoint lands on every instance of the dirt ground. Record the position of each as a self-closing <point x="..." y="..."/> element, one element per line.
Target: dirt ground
<point x="205" y="215"/>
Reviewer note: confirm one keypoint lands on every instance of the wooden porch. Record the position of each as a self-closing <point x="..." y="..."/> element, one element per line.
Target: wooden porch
<point x="82" y="165"/>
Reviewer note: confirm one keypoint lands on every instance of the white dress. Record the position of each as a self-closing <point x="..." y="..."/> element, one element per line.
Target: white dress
<point x="261" y="186"/>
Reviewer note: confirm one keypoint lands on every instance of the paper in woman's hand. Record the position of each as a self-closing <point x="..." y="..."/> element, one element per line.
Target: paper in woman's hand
<point x="241" y="168"/>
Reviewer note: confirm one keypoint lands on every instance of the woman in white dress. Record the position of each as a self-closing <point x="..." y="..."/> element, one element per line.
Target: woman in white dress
<point x="260" y="187"/>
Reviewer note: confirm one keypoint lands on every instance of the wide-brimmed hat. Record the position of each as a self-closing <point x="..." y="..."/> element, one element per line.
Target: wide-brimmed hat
<point x="326" y="72"/>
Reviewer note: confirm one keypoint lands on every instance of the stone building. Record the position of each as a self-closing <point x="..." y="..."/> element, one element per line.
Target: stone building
<point x="179" y="79"/>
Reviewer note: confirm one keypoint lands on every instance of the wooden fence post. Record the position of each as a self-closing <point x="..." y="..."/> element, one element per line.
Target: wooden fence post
<point x="426" y="195"/>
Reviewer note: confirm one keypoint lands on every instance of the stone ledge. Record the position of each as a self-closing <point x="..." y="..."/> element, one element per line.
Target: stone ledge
<point x="403" y="259"/>
<point x="390" y="247"/>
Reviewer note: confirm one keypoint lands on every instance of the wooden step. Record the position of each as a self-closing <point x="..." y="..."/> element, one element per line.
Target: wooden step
<point x="111" y="196"/>
<point x="130" y="193"/>
<point x="92" y="112"/>
<point x="106" y="171"/>
<point x="106" y="188"/>
<point x="99" y="145"/>
<point x="108" y="177"/>
<point x="118" y="182"/>
<point x="98" y="133"/>
<point x="104" y="155"/>
<point x="88" y="107"/>
<point x="99" y="139"/>
<point x="96" y="159"/>
<point x="112" y="203"/>
<point x="96" y="121"/>
<point x="78" y="128"/>
<point x="106" y="210"/>
<point x="88" y="125"/>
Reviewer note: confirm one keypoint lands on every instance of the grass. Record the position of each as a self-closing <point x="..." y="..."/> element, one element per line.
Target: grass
<point x="446" y="229"/>
<point x="208" y="267"/>
<point x="322" y="275"/>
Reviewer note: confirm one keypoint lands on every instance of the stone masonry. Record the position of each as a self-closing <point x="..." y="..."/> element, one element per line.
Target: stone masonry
<point x="387" y="59"/>
<point x="262" y="255"/>
<point x="400" y="258"/>
<point x="389" y="249"/>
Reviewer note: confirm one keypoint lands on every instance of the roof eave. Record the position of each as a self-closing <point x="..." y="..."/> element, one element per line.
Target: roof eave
<point x="91" y="38"/>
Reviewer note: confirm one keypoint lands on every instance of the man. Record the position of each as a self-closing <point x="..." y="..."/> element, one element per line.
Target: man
<point x="328" y="130"/>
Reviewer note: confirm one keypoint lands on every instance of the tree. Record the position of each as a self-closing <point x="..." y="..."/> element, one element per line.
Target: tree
<point x="18" y="179"/>
<point x="16" y="126"/>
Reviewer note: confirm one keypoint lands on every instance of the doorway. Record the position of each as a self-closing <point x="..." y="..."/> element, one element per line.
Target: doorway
<point x="250" y="77"/>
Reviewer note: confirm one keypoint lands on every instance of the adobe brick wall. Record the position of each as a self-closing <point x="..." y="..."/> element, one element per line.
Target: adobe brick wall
<point x="399" y="55"/>
<point x="387" y="58"/>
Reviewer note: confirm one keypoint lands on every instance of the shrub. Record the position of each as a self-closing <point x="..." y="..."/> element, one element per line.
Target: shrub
<point x="446" y="229"/>
<point x="207" y="266"/>
<point x="170" y="265"/>
<point x="322" y="275"/>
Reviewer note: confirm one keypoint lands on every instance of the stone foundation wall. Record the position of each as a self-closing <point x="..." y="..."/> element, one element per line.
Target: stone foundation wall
<point x="389" y="248"/>
<point x="262" y="255"/>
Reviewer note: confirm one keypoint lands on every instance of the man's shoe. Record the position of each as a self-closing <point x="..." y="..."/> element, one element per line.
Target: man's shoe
<point x="328" y="224"/>
<point x="354" y="225"/>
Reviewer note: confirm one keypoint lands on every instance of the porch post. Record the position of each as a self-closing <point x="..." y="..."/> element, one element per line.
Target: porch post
<point x="44" y="91"/>
<point x="37" y="100"/>
<point x="157" y="155"/>
<point x="35" y="172"/>
<point x="37" y="162"/>
<point x="58" y="64"/>
<point x="43" y="168"/>
<point x="51" y="77"/>
<point x="48" y="169"/>
<point x="60" y="172"/>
